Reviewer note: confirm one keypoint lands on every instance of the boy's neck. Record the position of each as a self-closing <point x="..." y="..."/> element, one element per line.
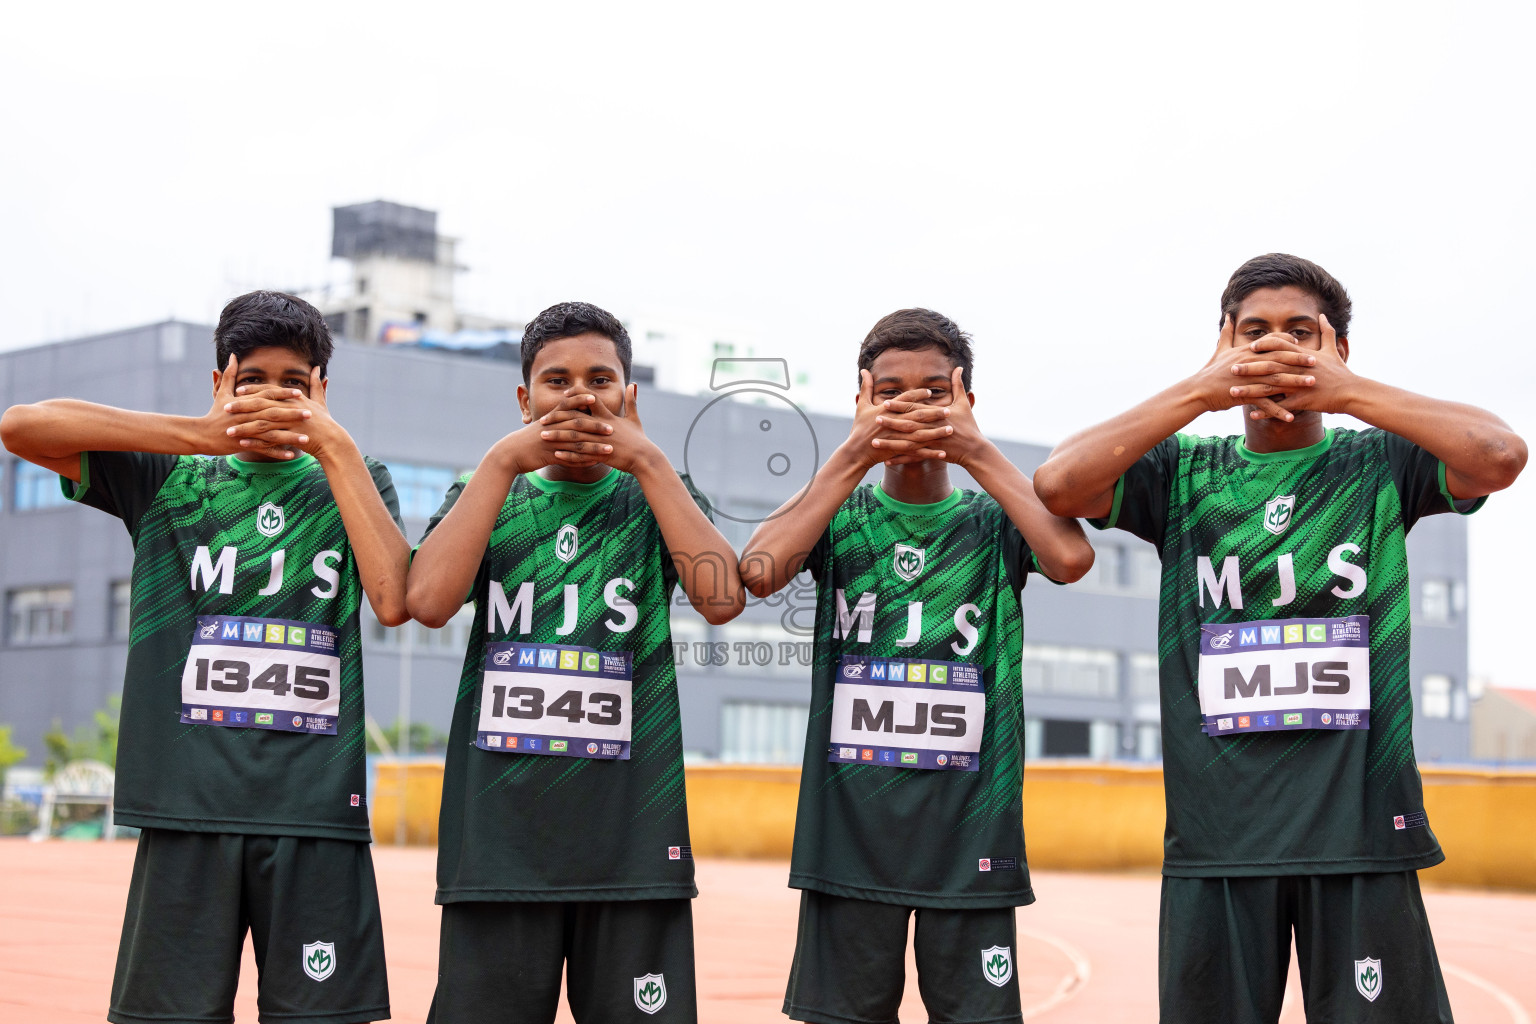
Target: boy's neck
<point x="575" y="474"/>
<point x="918" y="483"/>
<point x="1265" y="436"/>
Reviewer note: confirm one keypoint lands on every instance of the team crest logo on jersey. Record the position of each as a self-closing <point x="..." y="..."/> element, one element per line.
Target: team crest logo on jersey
<point x="565" y="543"/>
<point x="997" y="965"/>
<point x="1277" y="513"/>
<point x="650" y="993"/>
<point x="908" y="561"/>
<point x="269" y="519"/>
<point x="319" y="959"/>
<point x="1368" y="978"/>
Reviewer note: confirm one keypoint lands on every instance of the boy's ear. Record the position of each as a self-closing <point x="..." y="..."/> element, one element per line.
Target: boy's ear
<point x="972" y="396"/>
<point x="217" y="376"/>
<point x="523" y="404"/>
<point x="1343" y="346"/>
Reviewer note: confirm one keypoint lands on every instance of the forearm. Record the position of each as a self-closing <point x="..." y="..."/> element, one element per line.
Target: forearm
<point x="706" y="564"/>
<point x="1481" y="453"/>
<point x="1079" y="477"/>
<point x="779" y="546"/>
<point x="55" y="432"/>
<point x="444" y="568"/>
<point x="1058" y="543"/>
<point x="382" y="553"/>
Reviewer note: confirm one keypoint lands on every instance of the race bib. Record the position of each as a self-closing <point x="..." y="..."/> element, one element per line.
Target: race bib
<point x="262" y="674"/>
<point x="1285" y="674"/>
<point x="908" y="714"/>
<point x="565" y="701"/>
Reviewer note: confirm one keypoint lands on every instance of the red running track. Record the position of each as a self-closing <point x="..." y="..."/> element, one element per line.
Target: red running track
<point x="1087" y="950"/>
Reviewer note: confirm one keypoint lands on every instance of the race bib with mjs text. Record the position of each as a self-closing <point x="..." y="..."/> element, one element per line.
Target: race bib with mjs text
<point x="907" y="713"/>
<point x="1285" y="674"/>
<point x="549" y="699"/>
<point x="262" y="674"/>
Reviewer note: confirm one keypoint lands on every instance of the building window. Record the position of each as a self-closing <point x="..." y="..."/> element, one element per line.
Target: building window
<point x="420" y="489"/>
<point x="1149" y="741"/>
<point x="1071" y="671"/>
<point x="452" y="637"/>
<point x="35" y="487"/>
<point x="752" y="733"/>
<point x="1435" y="602"/>
<point x="118" y="609"/>
<point x="1436" y="701"/>
<point x="1144" y="677"/>
<point x="40" y="615"/>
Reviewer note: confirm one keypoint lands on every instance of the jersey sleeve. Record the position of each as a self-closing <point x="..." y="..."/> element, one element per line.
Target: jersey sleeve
<point x="1142" y="492"/>
<point x="386" y="486"/>
<point x="123" y="484"/>
<point x="449" y="500"/>
<point x="816" y="562"/>
<point x="1420" y="480"/>
<point x="668" y="567"/>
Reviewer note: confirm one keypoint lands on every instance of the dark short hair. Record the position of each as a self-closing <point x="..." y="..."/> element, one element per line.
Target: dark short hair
<point x="914" y="329"/>
<point x="264" y="319"/>
<point x="566" y="320"/>
<point x="1278" y="269"/>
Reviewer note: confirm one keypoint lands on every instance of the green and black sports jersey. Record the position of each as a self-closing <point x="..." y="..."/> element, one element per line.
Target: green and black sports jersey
<point x="243" y="700"/>
<point x="911" y="790"/>
<point x="1283" y="641"/>
<point x="564" y="781"/>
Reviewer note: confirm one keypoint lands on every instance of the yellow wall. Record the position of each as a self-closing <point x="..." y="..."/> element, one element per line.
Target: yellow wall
<point x="1077" y="817"/>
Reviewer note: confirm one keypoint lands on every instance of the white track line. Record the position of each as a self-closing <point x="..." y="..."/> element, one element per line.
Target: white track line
<point x="1516" y="1011"/>
<point x="1073" y="983"/>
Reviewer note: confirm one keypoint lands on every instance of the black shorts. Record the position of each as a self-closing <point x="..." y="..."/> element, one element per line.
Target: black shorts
<point x="1363" y="949"/>
<point x="312" y="909"/>
<point x="851" y="963"/>
<point x="630" y="960"/>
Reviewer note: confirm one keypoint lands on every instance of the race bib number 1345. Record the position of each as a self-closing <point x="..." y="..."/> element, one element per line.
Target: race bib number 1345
<point x="262" y="674"/>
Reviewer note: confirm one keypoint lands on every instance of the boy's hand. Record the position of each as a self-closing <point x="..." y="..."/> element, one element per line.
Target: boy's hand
<point x="1333" y="381"/>
<point x="962" y="444"/>
<point x="281" y="421"/>
<point x="883" y="432"/>
<point x="1264" y="371"/>
<point x="572" y="433"/>
<point x="628" y="447"/>
<point x="261" y="420"/>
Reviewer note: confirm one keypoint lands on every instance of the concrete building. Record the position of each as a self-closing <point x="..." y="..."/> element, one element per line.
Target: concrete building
<point x="1090" y="672"/>
<point x="1504" y="726"/>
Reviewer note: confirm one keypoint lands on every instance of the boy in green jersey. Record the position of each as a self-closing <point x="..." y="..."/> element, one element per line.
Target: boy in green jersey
<point x="1294" y="802"/>
<point x="910" y="797"/>
<point x="241" y="751"/>
<point x="563" y="843"/>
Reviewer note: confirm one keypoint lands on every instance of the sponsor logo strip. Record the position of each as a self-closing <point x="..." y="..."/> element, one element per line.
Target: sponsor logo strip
<point x="258" y="718"/>
<point x="1273" y="721"/>
<point x="555" y="746"/>
<point x="940" y="760"/>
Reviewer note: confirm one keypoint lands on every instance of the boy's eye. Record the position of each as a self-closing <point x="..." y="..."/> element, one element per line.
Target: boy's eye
<point x="1301" y="334"/>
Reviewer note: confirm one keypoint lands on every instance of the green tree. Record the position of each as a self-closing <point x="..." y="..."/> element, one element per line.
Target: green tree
<point x="10" y="753"/>
<point x="424" y="739"/>
<point x="96" y="741"/>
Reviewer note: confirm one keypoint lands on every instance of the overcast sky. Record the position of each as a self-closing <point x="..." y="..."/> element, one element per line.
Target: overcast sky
<point x="1072" y="185"/>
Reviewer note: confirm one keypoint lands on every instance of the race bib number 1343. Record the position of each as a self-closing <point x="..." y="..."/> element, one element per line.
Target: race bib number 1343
<point x="262" y="674"/>
<point x="549" y="699"/>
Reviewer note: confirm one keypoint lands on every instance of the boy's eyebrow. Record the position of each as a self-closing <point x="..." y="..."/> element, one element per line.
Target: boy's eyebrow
<point x="551" y="371"/>
<point x="1300" y="318"/>
<point x="897" y="380"/>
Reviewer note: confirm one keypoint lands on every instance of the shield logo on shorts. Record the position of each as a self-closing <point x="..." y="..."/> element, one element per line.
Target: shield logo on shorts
<point x="997" y="965"/>
<point x="319" y="959"/>
<point x="650" y="993"/>
<point x="1368" y="978"/>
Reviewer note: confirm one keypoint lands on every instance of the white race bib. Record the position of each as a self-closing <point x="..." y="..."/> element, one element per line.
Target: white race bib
<point x="262" y="674"/>
<point x="548" y="699"/>
<point x="1285" y="674"/>
<point x="908" y="713"/>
